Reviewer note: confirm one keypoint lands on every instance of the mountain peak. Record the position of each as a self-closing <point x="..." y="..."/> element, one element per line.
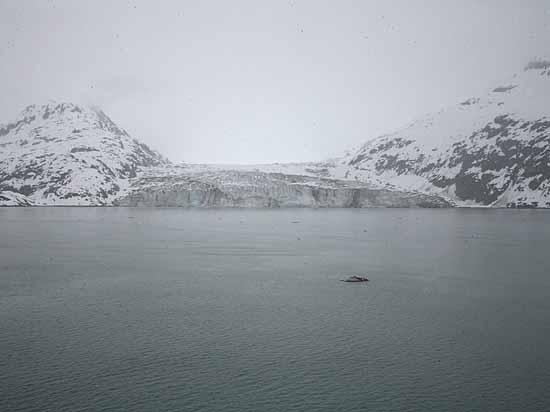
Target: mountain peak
<point x="50" y="107"/>
<point x="538" y="64"/>
<point x="490" y="151"/>
<point x="64" y="153"/>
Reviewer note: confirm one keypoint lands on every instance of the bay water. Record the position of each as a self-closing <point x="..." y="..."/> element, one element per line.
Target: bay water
<point x="121" y="309"/>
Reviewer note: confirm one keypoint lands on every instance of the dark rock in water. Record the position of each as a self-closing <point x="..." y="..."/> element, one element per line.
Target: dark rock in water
<point x="356" y="279"/>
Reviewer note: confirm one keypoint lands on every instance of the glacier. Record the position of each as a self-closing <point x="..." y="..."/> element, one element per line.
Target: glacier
<point x="488" y="151"/>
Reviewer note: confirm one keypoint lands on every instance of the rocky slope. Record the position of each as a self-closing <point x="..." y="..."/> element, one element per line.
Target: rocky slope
<point x="65" y="154"/>
<point x="487" y="151"/>
<point x="9" y="198"/>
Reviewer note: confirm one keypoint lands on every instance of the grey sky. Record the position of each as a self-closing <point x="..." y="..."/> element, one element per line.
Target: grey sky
<point x="262" y="81"/>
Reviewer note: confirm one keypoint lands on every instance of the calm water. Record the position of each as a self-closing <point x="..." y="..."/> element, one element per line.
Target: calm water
<point x="242" y="310"/>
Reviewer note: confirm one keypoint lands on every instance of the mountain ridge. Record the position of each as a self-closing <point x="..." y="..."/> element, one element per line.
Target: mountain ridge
<point x="485" y="151"/>
<point x="489" y="151"/>
<point x="61" y="154"/>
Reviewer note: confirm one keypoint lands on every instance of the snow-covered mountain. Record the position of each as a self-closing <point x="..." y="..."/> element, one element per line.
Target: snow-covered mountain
<point x="492" y="150"/>
<point x="487" y="151"/>
<point x="65" y="154"/>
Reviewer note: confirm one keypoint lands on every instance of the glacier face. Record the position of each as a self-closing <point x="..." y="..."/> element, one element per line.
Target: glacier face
<point x="241" y="188"/>
<point x="490" y="151"/>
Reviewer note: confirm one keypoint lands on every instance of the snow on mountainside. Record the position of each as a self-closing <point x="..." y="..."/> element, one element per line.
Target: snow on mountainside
<point x="8" y="198"/>
<point x="62" y="153"/>
<point x="490" y="151"/>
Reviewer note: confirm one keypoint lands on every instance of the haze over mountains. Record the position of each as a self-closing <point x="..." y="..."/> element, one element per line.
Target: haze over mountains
<point x="491" y="150"/>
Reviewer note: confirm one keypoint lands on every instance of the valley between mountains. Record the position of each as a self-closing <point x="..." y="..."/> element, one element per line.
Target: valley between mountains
<point x="487" y="151"/>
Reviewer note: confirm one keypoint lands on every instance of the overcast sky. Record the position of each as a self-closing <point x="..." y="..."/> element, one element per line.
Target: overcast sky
<point x="262" y="81"/>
